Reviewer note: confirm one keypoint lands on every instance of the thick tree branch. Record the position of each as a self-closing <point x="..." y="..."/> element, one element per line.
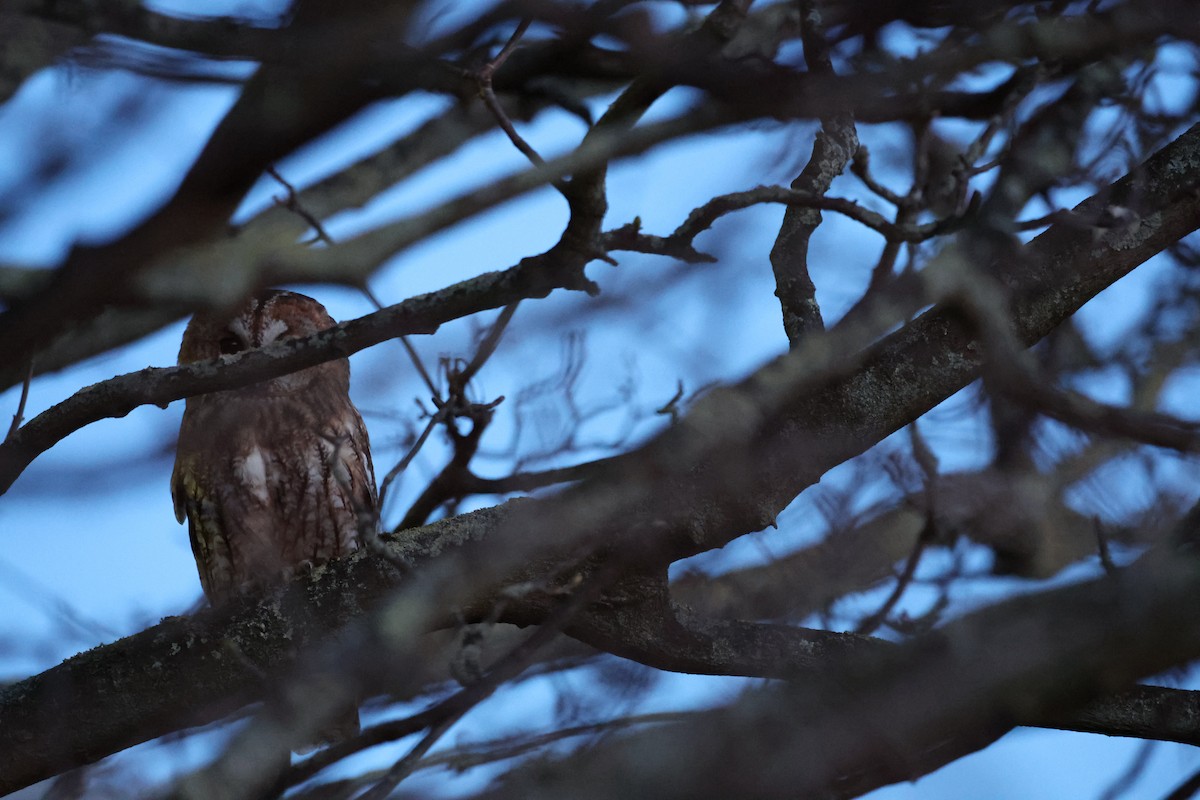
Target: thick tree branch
<point x="768" y="89"/>
<point x="224" y="37"/>
<point x="281" y="108"/>
<point x="812" y="425"/>
<point x="171" y="289"/>
<point x="821" y="95"/>
<point x="804" y="582"/>
<point x="44" y="41"/>
<point x="533" y="277"/>
<point x="1063" y="269"/>
<point x="833" y="148"/>
<point x="876" y="720"/>
<point x="841" y="714"/>
<point x="191" y="671"/>
<point x="710" y="478"/>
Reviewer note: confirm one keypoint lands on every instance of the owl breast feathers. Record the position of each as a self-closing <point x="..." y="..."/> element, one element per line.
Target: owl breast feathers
<point x="276" y="476"/>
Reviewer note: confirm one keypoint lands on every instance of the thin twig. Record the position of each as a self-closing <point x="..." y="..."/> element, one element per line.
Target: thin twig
<point x="486" y="93"/>
<point x="511" y="747"/>
<point x="1102" y="547"/>
<point x="68" y="617"/>
<point x="1186" y="790"/>
<point x="489" y="70"/>
<point x="528" y="481"/>
<point x="416" y="360"/>
<point x="397" y="470"/>
<point x="671" y="407"/>
<point x="927" y="461"/>
<point x="860" y="166"/>
<point x="452" y="482"/>
<point x="462" y="701"/>
<point x="873" y="621"/>
<point x="407" y="765"/>
<point x="704" y="216"/>
<point x="412" y="353"/>
<point x="1069" y="218"/>
<point x="371" y="298"/>
<point x="679" y="243"/>
<point x="477" y="754"/>
<point x="488" y="345"/>
<point x="449" y="483"/>
<point x="489" y="99"/>
<point x="1021" y="378"/>
<point x="19" y="416"/>
<point x="292" y="203"/>
<point x="1125" y="781"/>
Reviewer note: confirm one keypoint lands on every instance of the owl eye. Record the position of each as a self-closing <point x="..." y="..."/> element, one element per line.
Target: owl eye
<point x="230" y="345"/>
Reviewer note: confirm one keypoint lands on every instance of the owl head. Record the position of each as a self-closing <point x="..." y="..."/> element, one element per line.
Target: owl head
<point x="265" y="318"/>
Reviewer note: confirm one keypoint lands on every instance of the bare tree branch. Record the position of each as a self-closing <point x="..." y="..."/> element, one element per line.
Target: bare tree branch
<point x="914" y="708"/>
<point x="959" y="292"/>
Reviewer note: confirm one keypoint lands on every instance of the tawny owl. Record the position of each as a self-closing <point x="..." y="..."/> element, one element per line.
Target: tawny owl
<point x="276" y="476"/>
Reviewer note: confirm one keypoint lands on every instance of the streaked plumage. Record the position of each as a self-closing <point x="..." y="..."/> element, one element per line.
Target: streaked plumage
<point x="273" y="477"/>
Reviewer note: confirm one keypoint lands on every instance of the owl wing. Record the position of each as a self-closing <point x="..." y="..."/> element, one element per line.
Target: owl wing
<point x="356" y="459"/>
<point x="192" y="502"/>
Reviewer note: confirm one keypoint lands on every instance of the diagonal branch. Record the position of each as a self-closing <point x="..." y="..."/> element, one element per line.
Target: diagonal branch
<point x="533" y="277"/>
<point x="183" y="675"/>
<point x="776" y="431"/>
<point x="902" y="712"/>
<point x="833" y="148"/>
<point x="281" y="108"/>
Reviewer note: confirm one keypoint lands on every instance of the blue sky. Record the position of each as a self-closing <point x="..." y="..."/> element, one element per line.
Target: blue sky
<point x="91" y="549"/>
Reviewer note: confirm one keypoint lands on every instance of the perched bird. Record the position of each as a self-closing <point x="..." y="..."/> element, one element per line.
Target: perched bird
<point x="276" y="477"/>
